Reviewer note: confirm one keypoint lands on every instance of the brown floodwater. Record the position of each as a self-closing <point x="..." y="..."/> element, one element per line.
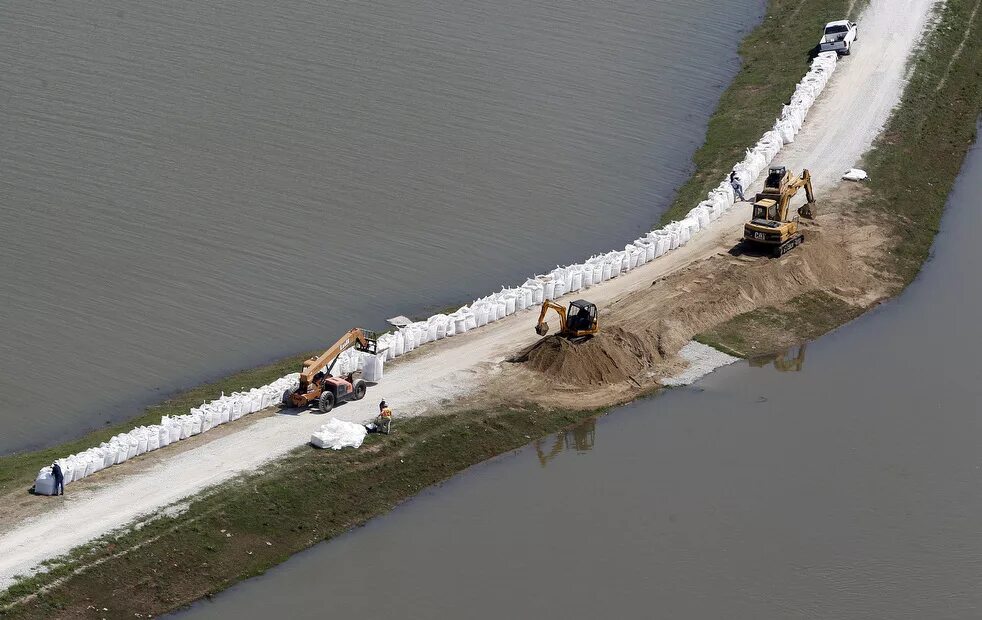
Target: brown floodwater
<point x="192" y="188"/>
<point x="840" y="480"/>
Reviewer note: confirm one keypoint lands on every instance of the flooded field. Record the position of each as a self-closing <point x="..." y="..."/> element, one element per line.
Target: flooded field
<point x="838" y="481"/>
<point x="190" y="189"/>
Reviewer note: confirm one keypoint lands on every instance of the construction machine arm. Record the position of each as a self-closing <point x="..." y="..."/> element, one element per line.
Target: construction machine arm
<point x="807" y="210"/>
<point x="354" y="337"/>
<point x="542" y="328"/>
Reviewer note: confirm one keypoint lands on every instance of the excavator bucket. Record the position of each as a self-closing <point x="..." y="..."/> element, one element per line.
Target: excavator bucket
<point x="807" y="210"/>
<point x="542" y="328"/>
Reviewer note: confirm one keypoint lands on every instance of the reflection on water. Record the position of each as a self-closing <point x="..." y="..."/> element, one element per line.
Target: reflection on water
<point x="789" y="360"/>
<point x="579" y="438"/>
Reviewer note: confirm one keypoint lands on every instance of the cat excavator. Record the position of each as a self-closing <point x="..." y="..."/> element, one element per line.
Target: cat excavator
<point x="316" y="382"/>
<point x="771" y="225"/>
<point x="580" y="321"/>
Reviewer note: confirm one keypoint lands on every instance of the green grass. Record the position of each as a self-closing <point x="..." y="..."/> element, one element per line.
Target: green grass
<point x="774" y="58"/>
<point x="17" y="471"/>
<point x="246" y="527"/>
<point x="773" y="328"/>
<point x="914" y="164"/>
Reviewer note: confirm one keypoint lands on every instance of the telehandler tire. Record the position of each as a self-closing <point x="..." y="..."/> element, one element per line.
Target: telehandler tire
<point x="286" y="397"/>
<point x="360" y="390"/>
<point x="326" y="402"/>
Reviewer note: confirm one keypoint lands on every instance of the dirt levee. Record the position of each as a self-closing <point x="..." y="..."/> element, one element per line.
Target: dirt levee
<point x="613" y="356"/>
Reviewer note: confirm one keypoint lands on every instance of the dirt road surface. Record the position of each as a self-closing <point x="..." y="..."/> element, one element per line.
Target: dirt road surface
<point x="838" y="130"/>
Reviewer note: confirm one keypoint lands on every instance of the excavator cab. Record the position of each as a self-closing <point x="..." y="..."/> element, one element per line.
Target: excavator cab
<point x="775" y="176"/>
<point x="581" y="316"/>
<point x="579" y="321"/>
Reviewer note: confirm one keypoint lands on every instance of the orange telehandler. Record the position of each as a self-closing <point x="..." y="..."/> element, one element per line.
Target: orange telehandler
<point x="316" y="382"/>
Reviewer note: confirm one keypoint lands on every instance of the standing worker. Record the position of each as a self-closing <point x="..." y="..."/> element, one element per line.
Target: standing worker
<point x="382" y="405"/>
<point x="735" y="184"/>
<point x="59" y="478"/>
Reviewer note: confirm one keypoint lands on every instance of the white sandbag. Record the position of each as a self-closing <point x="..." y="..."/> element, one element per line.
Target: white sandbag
<point x="373" y="368"/>
<point x="452" y="326"/>
<point x="576" y="281"/>
<point x="338" y="434"/>
<point x="548" y="289"/>
<point x="196" y="421"/>
<point x="163" y="436"/>
<point x="481" y="313"/>
<point x="153" y="438"/>
<point x="44" y="483"/>
<point x="560" y="288"/>
<point x="587" y="276"/>
<point x="460" y="321"/>
<point x="855" y="174"/>
<point x="509" y="304"/>
<point x="108" y="454"/>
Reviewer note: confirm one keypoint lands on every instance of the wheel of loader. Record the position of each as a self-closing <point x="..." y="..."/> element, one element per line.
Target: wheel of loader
<point x="360" y="389"/>
<point x="286" y="397"/>
<point x="326" y="402"/>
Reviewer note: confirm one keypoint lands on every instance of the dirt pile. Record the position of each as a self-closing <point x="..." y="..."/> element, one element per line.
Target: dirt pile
<point x="643" y="330"/>
<point x="612" y="356"/>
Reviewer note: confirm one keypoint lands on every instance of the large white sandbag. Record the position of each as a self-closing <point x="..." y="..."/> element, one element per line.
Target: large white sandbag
<point x="481" y="313"/>
<point x="337" y="434"/>
<point x="163" y="436"/>
<point x="548" y="289"/>
<point x="196" y="421"/>
<point x="509" y="303"/>
<point x="153" y="438"/>
<point x="587" y="276"/>
<point x="560" y="288"/>
<point x="576" y="280"/>
<point x="460" y="321"/>
<point x="373" y="369"/>
<point x="44" y="483"/>
<point x="108" y="454"/>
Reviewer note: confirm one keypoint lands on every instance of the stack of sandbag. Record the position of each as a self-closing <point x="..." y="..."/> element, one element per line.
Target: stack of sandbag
<point x="338" y="434"/>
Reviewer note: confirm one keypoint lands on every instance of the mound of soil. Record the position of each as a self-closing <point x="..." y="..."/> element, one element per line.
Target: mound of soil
<point x="612" y="356"/>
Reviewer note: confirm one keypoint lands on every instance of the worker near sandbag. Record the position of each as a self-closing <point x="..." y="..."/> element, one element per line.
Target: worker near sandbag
<point x="737" y="188"/>
<point x="59" y="477"/>
<point x="384" y="420"/>
<point x="382" y="405"/>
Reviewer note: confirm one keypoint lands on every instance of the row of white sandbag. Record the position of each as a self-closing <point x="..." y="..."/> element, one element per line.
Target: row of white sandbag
<point x="654" y="244"/>
<point x="557" y="283"/>
<point x="142" y="439"/>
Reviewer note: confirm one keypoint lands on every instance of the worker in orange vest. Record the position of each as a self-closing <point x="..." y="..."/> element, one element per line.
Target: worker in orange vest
<point x="384" y="420"/>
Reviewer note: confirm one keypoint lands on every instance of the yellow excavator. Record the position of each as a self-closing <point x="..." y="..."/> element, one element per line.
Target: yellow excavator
<point x="580" y="321"/>
<point x="316" y="382"/>
<point x="771" y="225"/>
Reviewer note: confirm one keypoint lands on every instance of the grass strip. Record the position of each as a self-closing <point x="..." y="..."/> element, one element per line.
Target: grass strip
<point x="774" y="58"/>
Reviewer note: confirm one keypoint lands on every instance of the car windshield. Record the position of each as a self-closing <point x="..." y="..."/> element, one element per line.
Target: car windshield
<point x="836" y="29"/>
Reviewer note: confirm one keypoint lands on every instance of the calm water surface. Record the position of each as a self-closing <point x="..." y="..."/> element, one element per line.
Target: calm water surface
<point x="188" y="188"/>
<point x="848" y="485"/>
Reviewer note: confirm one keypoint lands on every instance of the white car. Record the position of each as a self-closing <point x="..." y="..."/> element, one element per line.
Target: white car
<point x="839" y="37"/>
